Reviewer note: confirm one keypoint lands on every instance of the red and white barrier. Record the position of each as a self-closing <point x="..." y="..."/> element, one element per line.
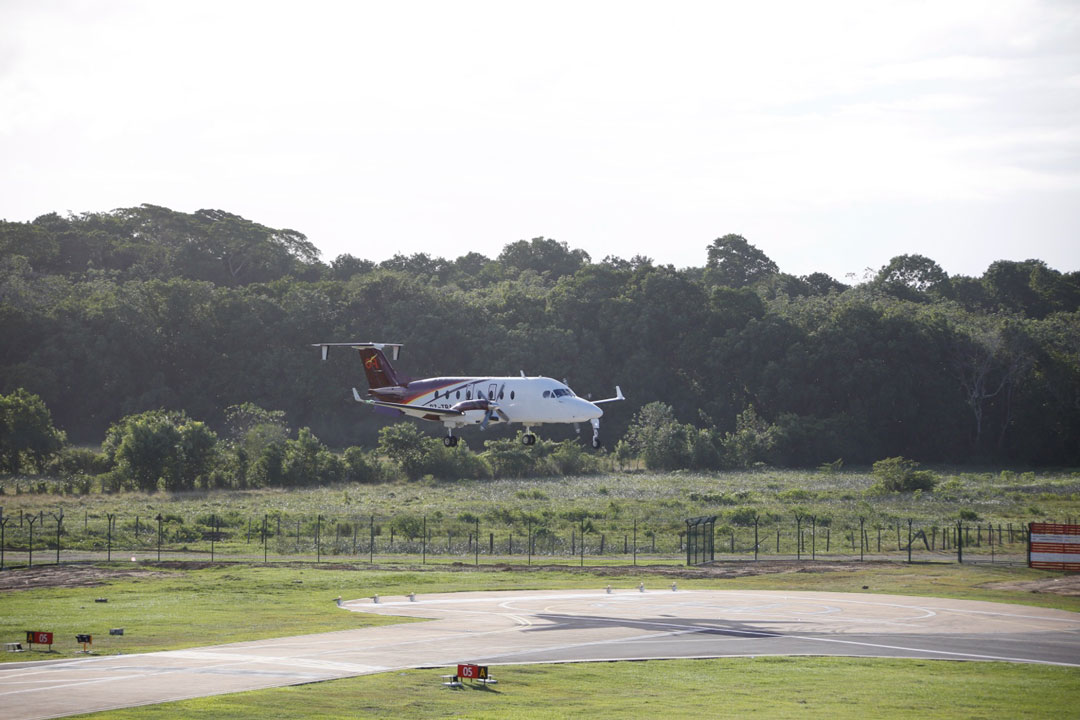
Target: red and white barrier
<point x="1054" y="546"/>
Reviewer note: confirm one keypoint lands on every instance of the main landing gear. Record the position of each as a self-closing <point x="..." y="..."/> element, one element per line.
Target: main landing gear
<point x="450" y="440"/>
<point x="528" y="438"/>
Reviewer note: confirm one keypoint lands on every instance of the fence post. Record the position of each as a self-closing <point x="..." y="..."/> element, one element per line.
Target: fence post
<point x="862" y="536"/>
<point x="635" y="542"/>
<point x="371" y="545"/>
<point x="476" y="542"/>
<point x="755" y="536"/>
<point x="909" y="541"/>
<point x="423" y="543"/>
<point x="813" y="537"/>
<point x="798" y="536"/>
<point x="318" y="538"/>
<point x="264" y="538"/>
<point x="59" y="524"/>
<point x="31" y="519"/>
<point x="111" y="520"/>
<point x="959" y="541"/>
<point x="582" y="542"/>
<point x="213" y="534"/>
<point x="159" y="519"/>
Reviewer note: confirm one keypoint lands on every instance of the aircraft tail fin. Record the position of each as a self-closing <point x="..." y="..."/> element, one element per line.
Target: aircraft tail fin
<point x="380" y="373"/>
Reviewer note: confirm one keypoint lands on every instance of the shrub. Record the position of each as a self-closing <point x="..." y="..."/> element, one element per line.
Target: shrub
<point x="362" y="466"/>
<point x="570" y="458"/>
<point x="898" y="474"/>
<point x="743" y="516"/>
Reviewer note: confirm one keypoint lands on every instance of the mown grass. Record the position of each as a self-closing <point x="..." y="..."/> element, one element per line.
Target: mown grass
<point x="765" y="687"/>
<point x="170" y="608"/>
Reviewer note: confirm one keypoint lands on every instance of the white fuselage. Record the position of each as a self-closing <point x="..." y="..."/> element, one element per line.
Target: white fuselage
<point x="531" y="401"/>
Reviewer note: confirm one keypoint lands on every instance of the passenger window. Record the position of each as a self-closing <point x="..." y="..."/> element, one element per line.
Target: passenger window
<point x="511" y="394"/>
<point x="500" y="394"/>
<point x="468" y="394"/>
<point x="458" y="394"/>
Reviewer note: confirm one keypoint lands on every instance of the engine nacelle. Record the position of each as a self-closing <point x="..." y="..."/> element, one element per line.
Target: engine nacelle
<point x="466" y="405"/>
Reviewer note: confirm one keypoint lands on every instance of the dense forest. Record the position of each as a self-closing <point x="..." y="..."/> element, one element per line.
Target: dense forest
<point x="106" y="315"/>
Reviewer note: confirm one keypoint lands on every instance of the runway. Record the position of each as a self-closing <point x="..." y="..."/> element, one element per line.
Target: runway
<point x="500" y="628"/>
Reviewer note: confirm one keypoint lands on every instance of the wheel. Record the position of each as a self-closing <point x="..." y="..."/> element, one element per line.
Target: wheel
<point x="525" y="439"/>
<point x="596" y="444"/>
<point x="449" y="441"/>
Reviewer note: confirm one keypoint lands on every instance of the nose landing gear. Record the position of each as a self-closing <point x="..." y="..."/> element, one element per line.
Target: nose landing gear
<point x="596" y="434"/>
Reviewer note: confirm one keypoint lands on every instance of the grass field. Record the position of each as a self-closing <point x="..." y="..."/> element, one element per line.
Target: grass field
<point x="177" y="605"/>
<point x="744" y="687"/>
<point x="553" y="511"/>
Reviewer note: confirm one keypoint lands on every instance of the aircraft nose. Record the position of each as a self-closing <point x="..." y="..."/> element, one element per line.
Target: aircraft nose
<point x="586" y="410"/>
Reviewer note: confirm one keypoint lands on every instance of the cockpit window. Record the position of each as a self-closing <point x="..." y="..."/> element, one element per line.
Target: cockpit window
<point x="562" y="392"/>
<point x="547" y="393"/>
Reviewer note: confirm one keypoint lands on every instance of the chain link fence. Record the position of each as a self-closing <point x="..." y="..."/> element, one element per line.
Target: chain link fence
<point x="53" y="538"/>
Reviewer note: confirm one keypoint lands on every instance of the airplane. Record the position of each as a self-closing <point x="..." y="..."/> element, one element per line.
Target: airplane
<point x="460" y="401"/>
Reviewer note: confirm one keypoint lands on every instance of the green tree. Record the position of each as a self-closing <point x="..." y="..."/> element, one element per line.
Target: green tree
<point x="734" y="262"/>
<point x="910" y="275"/>
<point x="144" y="448"/>
<point x="27" y="435"/>
<point x="660" y="440"/>
<point x="407" y="447"/>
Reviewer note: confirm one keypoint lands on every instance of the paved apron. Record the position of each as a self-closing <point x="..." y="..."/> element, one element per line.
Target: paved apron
<point x="556" y="626"/>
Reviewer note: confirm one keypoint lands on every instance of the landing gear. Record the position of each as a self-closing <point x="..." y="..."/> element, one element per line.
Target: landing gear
<point x="528" y="438"/>
<point x="450" y="441"/>
<point x="596" y="434"/>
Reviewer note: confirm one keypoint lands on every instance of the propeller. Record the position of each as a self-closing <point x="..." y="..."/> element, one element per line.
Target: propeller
<point x="492" y="407"/>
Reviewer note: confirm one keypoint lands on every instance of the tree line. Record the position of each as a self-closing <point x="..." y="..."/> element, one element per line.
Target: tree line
<point x="110" y="316"/>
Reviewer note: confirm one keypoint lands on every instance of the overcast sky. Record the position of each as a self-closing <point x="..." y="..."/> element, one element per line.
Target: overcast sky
<point x="832" y="135"/>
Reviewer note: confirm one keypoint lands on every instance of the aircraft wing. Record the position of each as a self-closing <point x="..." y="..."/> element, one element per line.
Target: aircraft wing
<point x="425" y="413"/>
<point x="618" y="396"/>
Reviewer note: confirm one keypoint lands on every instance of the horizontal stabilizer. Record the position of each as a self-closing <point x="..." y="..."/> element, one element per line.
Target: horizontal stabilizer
<point x="394" y="348"/>
<point x="618" y="396"/>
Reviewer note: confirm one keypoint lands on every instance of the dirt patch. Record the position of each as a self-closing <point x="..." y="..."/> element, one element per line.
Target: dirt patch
<point x="67" y="576"/>
<point x="1068" y="585"/>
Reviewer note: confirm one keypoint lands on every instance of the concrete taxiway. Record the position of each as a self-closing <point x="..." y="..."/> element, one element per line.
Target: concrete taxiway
<point x="557" y="626"/>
